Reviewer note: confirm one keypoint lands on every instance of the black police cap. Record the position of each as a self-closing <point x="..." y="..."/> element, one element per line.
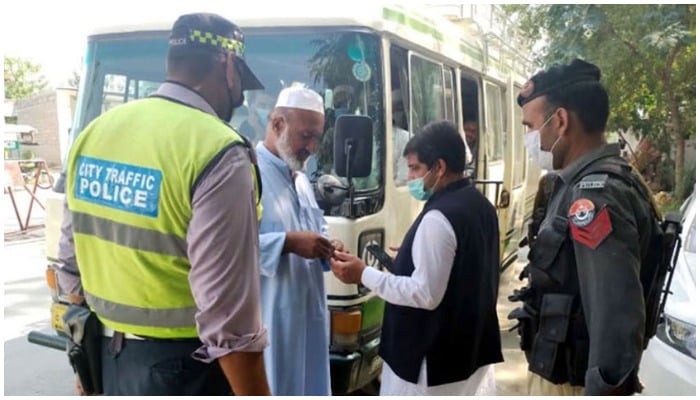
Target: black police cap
<point x="558" y="77"/>
<point x="215" y="33"/>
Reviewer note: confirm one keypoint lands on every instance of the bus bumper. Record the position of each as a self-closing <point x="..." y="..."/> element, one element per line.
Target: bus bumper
<point x="354" y="370"/>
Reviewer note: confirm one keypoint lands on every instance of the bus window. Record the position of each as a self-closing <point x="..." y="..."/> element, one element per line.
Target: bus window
<point x="495" y="126"/>
<point x="251" y="117"/>
<point x="519" y="159"/>
<point x="448" y="75"/>
<point x="399" y="118"/>
<point x="112" y="66"/>
<point x="138" y="89"/>
<point x="343" y="67"/>
<point x="119" y="89"/>
<point x="114" y="91"/>
<point x="470" y="118"/>
<point x="323" y="60"/>
<point x="427" y="93"/>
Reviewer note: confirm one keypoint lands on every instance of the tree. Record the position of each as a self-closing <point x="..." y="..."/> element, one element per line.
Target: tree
<point x="646" y="53"/>
<point x="22" y="78"/>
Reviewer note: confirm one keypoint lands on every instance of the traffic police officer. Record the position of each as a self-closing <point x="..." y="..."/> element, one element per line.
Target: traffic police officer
<point x="162" y="200"/>
<point x="583" y="315"/>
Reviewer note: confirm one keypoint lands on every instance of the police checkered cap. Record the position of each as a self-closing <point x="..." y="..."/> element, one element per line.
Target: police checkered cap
<point x="207" y="31"/>
<point x="213" y="32"/>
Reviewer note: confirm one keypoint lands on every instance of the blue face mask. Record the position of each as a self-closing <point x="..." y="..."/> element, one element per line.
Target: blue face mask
<point x="416" y="187"/>
<point x="262" y="114"/>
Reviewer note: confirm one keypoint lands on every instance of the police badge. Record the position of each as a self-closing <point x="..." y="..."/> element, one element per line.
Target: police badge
<point x="587" y="227"/>
<point x="581" y="213"/>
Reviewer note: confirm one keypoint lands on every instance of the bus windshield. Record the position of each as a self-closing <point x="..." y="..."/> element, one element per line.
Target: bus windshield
<point x="342" y="66"/>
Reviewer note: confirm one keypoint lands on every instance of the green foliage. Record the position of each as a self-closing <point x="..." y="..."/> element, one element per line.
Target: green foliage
<point x="27" y="154"/>
<point x="673" y="205"/>
<point x="688" y="184"/>
<point x="22" y="78"/>
<point x="646" y="53"/>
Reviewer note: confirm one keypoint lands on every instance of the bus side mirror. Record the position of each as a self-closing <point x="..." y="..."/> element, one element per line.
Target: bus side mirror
<point x="352" y="146"/>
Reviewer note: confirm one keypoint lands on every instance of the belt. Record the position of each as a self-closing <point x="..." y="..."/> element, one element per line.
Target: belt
<point x="109" y="332"/>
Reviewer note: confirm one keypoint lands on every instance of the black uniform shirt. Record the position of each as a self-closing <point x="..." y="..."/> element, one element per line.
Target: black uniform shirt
<point x="606" y="223"/>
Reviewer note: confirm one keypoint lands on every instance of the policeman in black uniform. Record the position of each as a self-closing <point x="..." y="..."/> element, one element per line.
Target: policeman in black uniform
<point x="582" y="321"/>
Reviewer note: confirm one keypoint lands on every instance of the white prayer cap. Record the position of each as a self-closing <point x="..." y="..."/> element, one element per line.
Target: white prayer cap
<point x="301" y="98"/>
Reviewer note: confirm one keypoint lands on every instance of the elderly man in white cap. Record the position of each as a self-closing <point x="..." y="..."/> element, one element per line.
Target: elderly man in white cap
<point x="294" y="249"/>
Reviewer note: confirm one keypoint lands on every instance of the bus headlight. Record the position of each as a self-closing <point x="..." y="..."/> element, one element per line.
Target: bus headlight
<point x="678" y="334"/>
<point x="51" y="282"/>
<point x="375" y="236"/>
<point x="345" y="327"/>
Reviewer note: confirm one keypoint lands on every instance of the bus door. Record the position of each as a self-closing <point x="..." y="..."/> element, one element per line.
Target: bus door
<point x="471" y="127"/>
<point x="494" y="137"/>
<point x="515" y="176"/>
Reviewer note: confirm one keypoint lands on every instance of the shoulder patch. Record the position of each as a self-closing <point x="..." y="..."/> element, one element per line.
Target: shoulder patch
<point x="595" y="181"/>
<point x="581" y="212"/>
<point x="593" y="234"/>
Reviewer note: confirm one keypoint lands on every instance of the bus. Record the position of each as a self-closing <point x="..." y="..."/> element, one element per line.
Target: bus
<point x="400" y="67"/>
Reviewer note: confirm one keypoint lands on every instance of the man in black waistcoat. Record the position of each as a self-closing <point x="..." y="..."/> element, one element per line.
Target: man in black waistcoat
<point x="440" y="334"/>
<point x="583" y="316"/>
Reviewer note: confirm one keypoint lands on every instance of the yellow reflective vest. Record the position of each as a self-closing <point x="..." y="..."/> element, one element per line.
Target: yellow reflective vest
<point x="130" y="179"/>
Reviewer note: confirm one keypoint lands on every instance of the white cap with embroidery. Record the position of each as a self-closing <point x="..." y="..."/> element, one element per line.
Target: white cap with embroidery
<point x="301" y="98"/>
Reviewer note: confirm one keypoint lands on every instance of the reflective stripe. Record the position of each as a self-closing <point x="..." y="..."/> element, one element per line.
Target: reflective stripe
<point x="130" y="236"/>
<point x="146" y="317"/>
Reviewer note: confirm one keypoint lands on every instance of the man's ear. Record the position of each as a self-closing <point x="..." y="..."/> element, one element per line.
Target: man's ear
<point x="230" y="69"/>
<point x="278" y="123"/>
<point x="564" y="120"/>
<point x="442" y="166"/>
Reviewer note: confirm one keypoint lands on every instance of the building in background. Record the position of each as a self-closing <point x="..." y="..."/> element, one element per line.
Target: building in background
<point x="50" y="114"/>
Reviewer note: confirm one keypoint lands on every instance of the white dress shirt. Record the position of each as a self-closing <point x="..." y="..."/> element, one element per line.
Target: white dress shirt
<point x="425" y="289"/>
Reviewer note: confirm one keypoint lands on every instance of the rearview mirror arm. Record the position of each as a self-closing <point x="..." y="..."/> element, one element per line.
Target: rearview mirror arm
<point x="349" y="150"/>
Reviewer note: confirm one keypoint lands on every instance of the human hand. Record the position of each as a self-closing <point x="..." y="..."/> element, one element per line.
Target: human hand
<point x="338" y="245"/>
<point x="394" y="249"/>
<point x="79" y="387"/>
<point x="347" y="267"/>
<point x="308" y="244"/>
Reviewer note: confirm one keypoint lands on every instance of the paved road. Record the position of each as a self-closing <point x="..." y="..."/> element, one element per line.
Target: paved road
<point x="510" y="375"/>
<point x="29" y="369"/>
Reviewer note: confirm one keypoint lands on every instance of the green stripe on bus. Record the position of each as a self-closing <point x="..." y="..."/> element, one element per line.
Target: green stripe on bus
<point x="372" y="313"/>
<point x="472" y="51"/>
<point x="498" y="67"/>
<point x="396" y="16"/>
<point x="403" y="19"/>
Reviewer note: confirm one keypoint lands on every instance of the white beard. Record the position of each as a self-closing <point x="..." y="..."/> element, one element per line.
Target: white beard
<point x="286" y="153"/>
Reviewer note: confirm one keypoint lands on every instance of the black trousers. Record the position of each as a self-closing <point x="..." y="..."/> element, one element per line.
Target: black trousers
<point x="159" y="368"/>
